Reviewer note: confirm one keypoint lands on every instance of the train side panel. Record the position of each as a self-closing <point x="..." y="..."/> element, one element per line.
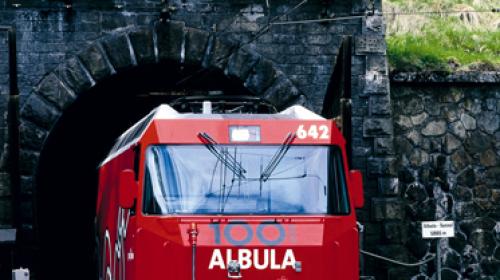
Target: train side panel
<point x="110" y="217"/>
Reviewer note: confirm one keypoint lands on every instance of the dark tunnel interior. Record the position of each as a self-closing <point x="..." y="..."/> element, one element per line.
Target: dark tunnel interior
<point x="67" y="172"/>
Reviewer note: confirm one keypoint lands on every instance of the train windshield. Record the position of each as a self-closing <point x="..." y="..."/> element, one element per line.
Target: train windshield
<point x="244" y="179"/>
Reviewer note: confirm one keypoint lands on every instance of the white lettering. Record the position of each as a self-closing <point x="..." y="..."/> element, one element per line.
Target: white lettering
<point x="288" y="259"/>
<point x="273" y="260"/>
<point x="245" y="258"/>
<point x="256" y="263"/>
<point x="216" y="260"/>
<point x="229" y="256"/>
<point x="115" y="264"/>
<point x="324" y="132"/>
<point x="258" y="259"/>
<point x="313" y="132"/>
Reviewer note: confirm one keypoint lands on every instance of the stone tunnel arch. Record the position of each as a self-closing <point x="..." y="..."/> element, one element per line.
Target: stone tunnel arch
<point x="76" y="111"/>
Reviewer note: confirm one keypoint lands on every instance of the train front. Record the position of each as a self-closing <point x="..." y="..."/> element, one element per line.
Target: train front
<point x="230" y="197"/>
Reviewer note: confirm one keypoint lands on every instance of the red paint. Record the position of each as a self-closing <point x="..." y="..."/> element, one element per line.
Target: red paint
<point x="160" y="247"/>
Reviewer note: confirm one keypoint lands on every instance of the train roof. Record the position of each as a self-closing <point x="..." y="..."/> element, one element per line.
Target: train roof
<point x="164" y="112"/>
<point x="295" y="112"/>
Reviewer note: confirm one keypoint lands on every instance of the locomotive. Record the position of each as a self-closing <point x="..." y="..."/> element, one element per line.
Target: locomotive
<point x="229" y="196"/>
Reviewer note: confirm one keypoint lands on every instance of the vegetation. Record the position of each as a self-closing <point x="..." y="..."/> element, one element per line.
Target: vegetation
<point x="462" y="40"/>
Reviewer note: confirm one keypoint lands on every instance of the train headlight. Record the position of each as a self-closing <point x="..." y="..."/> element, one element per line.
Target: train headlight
<point x="233" y="270"/>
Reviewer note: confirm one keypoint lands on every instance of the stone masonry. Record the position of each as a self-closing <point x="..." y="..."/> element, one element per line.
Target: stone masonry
<point x="63" y="52"/>
<point x="447" y="140"/>
<point x="431" y="152"/>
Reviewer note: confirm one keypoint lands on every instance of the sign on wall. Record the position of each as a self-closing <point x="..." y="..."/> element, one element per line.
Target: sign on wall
<point x="438" y="229"/>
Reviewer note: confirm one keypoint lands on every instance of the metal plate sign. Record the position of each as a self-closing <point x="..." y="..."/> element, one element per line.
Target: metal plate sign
<point x="369" y="44"/>
<point x="438" y="229"/>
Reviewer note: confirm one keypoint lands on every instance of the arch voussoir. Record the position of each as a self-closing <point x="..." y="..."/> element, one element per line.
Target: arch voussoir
<point x="39" y="111"/>
<point x="195" y="46"/>
<point x="261" y="77"/>
<point x="300" y="100"/>
<point x="143" y="45"/>
<point x="241" y="63"/>
<point x="282" y="92"/>
<point x="219" y="54"/>
<point x="33" y="135"/>
<point x="54" y="91"/>
<point x="118" y="51"/>
<point x="95" y="62"/>
<point x="170" y="40"/>
<point x="73" y="74"/>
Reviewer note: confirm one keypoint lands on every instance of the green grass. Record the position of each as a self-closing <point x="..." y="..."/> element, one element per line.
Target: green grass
<point x="442" y="42"/>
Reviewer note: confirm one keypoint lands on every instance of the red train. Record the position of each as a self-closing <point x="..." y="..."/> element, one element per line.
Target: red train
<point x="218" y="196"/>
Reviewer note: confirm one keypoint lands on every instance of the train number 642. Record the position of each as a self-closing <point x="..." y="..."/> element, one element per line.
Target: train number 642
<point x="313" y="131"/>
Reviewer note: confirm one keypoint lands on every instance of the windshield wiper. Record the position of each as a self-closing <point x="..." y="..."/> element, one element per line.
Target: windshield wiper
<point x="278" y="156"/>
<point x="223" y="156"/>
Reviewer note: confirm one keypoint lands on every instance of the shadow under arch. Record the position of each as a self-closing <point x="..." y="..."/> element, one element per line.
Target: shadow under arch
<point x="67" y="171"/>
<point x="73" y="116"/>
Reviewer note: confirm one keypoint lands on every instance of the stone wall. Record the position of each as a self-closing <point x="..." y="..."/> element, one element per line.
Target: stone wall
<point x="5" y="205"/>
<point x="442" y="164"/>
<point x="447" y="139"/>
<point x="49" y="34"/>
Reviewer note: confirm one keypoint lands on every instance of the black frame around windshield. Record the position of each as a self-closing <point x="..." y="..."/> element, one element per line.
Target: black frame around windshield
<point x="340" y="194"/>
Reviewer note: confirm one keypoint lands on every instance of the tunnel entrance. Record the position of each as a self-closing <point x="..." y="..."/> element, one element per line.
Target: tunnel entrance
<point x="129" y="73"/>
<point x="67" y="173"/>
